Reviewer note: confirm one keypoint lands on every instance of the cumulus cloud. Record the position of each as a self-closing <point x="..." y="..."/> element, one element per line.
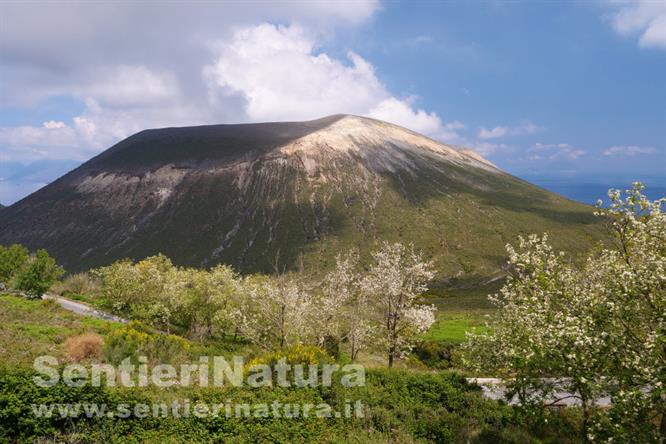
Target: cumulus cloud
<point x="402" y="113"/>
<point x="630" y="151"/>
<point x="265" y="72"/>
<point x="645" y="19"/>
<point x="89" y="133"/>
<point x="29" y="143"/>
<point x="498" y="131"/>
<point x="502" y="131"/>
<point x="488" y="149"/>
<point x="554" y="151"/>
<point x="195" y="64"/>
<point x="128" y="86"/>
<point x="62" y="48"/>
<point x="280" y="76"/>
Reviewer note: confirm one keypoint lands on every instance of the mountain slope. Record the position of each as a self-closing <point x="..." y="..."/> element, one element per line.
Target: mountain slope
<point x="292" y="193"/>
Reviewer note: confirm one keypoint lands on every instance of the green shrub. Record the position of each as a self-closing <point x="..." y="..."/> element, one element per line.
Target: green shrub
<point x="400" y="406"/>
<point x="18" y="393"/>
<point x="136" y="339"/>
<point x="37" y="276"/>
<point x="75" y="285"/>
<point x="435" y="354"/>
<point x="297" y="354"/>
<point x="12" y="260"/>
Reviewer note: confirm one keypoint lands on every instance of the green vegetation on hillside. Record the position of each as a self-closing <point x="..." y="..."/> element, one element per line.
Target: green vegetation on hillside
<point x="584" y="327"/>
<point x="240" y="195"/>
<point x="31" y="328"/>
<point x="400" y="405"/>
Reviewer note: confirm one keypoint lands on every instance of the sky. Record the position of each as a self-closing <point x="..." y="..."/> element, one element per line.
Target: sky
<point x="554" y="92"/>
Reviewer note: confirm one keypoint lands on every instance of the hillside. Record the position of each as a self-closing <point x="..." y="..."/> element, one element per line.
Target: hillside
<point x="292" y="192"/>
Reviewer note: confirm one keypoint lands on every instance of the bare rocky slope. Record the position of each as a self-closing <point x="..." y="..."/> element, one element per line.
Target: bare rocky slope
<point x="295" y="193"/>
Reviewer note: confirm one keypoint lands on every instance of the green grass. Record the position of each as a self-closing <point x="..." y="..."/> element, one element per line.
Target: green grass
<point x="453" y="330"/>
<point x="401" y="405"/>
<point x="459" y="311"/>
<point x="31" y="328"/>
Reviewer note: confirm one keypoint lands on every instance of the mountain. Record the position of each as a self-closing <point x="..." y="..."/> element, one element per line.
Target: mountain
<point x="292" y="193"/>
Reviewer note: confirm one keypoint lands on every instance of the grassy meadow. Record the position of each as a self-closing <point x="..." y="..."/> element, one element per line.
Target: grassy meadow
<point x="412" y="404"/>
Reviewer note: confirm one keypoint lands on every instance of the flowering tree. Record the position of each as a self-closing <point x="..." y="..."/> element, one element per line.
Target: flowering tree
<point x="202" y="299"/>
<point x="632" y="278"/>
<point x="396" y="279"/>
<point x="274" y="311"/>
<point x="350" y="306"/>
<point x="141" y="290"/>
<point x="344" y="309"/>
<point x="587" y="330"/>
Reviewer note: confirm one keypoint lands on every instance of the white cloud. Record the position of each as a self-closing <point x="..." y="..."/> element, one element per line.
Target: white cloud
<point x="52" y="124"/>
<point x="488" y="149"/>
<point x="280" y="76"/>
<point x="568" y="152"/>
<point x="401" y="113"/>
<point x="53" y="48"/>
<point x="28" y="142"/>
<point x="526" y="127"/>
<point x="420" y="40"/>
<point x="191" y="64"/>
<point x="94" y="130"/>
<point x="643" y="18"/>
<point x="498" y="131"/>
<point x="631" y="150"/>
<point x="260" y="73"/>
<point x="128" y="86"/>
<point x="555" y="151"/>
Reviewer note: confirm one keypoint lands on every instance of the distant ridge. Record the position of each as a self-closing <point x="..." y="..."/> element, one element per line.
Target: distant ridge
<point x="297" y="191"/>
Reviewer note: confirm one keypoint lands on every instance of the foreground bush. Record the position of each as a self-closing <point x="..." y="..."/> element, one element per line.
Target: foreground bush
<point x="435" y="354"/>
<point x="590" y="331"/>
<point x="400" y="406"/>
<point x="18" y="393"/>
<point x="298" y="354"/>
<point x="76" y="285"/>
<point x="30" y="274"/>
<point x="38" y="274"/>
<point x="12" y="260"/>
<point x="135" y="339"/>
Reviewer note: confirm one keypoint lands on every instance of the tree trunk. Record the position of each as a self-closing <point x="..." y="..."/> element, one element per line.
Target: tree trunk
<point x="282" y="324"/>
<point x="391" y="351"/>
<point x="586" y="420"/>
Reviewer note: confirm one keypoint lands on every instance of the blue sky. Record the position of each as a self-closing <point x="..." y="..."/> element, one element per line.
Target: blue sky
<point x="554" y="92"/>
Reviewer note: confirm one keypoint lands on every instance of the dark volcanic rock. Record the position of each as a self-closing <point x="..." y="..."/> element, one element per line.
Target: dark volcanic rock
<point x="295" y="192"/>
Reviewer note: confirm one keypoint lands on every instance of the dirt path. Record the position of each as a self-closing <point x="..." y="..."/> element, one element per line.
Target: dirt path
<point x="82" y="309"/>
<point x="494" y="388"/>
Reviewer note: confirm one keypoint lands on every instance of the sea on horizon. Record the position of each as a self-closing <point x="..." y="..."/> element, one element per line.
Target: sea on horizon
<point x="590" y="192"/>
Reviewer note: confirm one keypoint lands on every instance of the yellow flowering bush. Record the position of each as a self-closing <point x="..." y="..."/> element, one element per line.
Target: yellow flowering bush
<point x="135" y="339"/>
<point x="297" y="354"/>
